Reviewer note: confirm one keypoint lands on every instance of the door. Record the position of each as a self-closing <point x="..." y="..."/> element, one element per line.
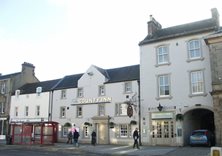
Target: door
<point x="102" y="133"/>
<point x="162" y="132"/>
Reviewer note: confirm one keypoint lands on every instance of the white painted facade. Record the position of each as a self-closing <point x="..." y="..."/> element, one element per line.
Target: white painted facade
<point x="180" y="99"/>
<point x="29" y="107"/>
<point x="89" y="103"/>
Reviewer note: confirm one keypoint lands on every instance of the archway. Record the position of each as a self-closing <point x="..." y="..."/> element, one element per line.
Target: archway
<point x="199" y="118"/>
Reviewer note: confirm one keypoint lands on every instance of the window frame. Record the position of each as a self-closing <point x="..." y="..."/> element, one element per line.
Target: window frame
<point x="63" y="93"/>
<point x="37" y="110"/>
<point x="79" y="113"/>
<point x="80" y="93"/>
<point x="202" y="82"/>
<point x="127" y="132"/>
<point x="101" y="90"/>
<point x="194" y="50"/>
<point x="128" y="87"/>
<point x="165" y="85"/>
<point x="26" y="110"/>
<point x="16" y="111"/>
<point x="164" y="55"/>
<point x="119" y="109"/>
<point x="101" y="110"/>
<point x="2" y="107"/>
<point x="62" y="112"/>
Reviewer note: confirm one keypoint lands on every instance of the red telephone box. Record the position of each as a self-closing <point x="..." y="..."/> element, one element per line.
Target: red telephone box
<point x="34" y="132"/>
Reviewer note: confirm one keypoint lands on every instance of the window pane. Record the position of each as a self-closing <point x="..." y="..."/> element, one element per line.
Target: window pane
<point x="197" y="82"/>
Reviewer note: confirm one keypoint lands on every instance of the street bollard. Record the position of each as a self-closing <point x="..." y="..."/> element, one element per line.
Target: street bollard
<point x="215" y="151"/>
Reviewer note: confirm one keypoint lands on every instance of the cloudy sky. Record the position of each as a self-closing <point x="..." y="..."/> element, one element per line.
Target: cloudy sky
<point x="64" y="37"/>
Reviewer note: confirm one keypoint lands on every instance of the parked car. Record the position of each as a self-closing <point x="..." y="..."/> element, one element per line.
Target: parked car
<point x="202" y="137"/>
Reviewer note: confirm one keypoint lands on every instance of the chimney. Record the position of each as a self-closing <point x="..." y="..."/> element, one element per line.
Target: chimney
<point x="153" y="26"/>
<point x="28" y="67"/>
<point x="216" y="16"/>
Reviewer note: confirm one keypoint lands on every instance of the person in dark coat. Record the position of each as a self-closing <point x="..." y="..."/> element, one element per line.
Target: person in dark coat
<point x="136" y="137"/>
<point x="93" y="138"/>
<point x="69" y="137"/>
<point x="75" y="138"/>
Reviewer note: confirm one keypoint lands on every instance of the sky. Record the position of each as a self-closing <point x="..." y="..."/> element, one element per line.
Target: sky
<point x="65" y="37"/>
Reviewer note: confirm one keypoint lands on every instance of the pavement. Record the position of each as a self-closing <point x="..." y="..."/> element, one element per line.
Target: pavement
<point x="117" y="150"/>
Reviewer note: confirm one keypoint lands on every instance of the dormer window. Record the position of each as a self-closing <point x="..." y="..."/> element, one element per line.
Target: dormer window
<point x="17" y="93"/>
<point x="38" y="90"/>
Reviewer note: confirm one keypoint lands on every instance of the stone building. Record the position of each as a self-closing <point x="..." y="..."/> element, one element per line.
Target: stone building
<point x="214" y="41"/>
<point x="8" y="84"/>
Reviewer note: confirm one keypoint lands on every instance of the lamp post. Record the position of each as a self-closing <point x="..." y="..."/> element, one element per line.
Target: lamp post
<point x="139" y="113"/>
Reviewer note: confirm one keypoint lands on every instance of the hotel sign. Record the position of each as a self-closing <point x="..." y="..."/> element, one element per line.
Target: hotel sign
<point x="94" y="100"/>
<point x="162" y="115"/>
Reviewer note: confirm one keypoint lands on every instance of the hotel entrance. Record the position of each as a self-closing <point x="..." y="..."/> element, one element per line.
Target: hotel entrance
<point x="162" y="129"/>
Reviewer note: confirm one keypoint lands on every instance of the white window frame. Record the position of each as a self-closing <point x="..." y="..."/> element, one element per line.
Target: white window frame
<point x="197" y="84"/>
<point x="38" y="110"/>
<point x="121" y="109"/>
<point x="26" y="110"/>
<point x="128" y="87"/>
<point x="194" y="50"/>
<point x="80" y="92"/>
<point x="86" y="132"/>
<point x="63" y="94"/>
<point x="65" y="131"/>
<point x="125" y="131"/>
<point x="165" y="84"/>
<point x="101" y="110"/>
<point x="162" y="55"/>
<point x="102" y="90"/>
<point x="79" y="113"/>
<point x="16" y="111"/>
<point x="62" y="112"/>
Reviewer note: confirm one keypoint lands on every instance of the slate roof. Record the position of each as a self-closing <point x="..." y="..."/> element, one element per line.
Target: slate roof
<point x="2" y="77"/>
<point x="70" y="81"/>
<point x="181" y="30"/>
<point x="31" y="87"/>
<point x="121" y="74"/>
<point x="128" y="73"/>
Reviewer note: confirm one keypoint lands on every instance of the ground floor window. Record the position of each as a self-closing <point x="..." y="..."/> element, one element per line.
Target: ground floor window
<point x="65" y="131"/>
<point x="2" y="127"/>
<point x="162" y="129"/>
<point x="86" y="132"/>
<point x="124" y="131"/>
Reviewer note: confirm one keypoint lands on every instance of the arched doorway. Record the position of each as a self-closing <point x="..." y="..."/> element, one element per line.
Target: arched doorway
<point x="199" y="118"/>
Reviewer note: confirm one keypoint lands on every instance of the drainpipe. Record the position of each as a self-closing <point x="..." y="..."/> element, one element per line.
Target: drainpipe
<point x="139" y="113"/>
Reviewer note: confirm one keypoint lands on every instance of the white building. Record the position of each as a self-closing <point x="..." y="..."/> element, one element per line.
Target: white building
<point x="175" y="79"/>
<point x="32" y="102"/>
<point x="95" y="100"/>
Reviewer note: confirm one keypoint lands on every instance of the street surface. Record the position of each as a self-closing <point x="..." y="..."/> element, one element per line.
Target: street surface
<point x="61" y="149"/>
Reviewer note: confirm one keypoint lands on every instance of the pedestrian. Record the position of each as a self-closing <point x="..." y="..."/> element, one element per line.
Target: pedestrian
<point x="75" y="138"/>
<point x="136" y="137"/>
<point x="69" y="137"/>
<point x="93" y="138"/>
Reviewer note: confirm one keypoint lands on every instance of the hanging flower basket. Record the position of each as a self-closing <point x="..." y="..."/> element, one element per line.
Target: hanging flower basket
<point x="133" y="122"/>
<point x="87" y="124"/>
<point x="179" y="117"/>
<point x="111" y="125"/>
<point x="67" y="124"/>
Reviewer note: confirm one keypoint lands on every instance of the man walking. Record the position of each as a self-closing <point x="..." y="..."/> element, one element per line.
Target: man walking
<point x="75" y="138"/>
<point x="136" y="137"/>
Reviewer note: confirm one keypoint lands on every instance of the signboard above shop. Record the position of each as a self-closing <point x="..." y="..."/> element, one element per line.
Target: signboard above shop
<point x="162" y="115"/>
